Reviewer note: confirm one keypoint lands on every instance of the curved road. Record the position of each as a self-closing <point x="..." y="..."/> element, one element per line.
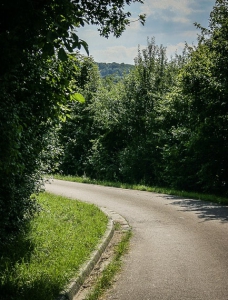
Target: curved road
<point x="179" y="248"/>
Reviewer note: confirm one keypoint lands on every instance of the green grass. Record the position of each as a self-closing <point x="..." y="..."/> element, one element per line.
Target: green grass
<point x="106" y="279"/>
<point x="39" y="264"/>
<point x="163" y="190"/>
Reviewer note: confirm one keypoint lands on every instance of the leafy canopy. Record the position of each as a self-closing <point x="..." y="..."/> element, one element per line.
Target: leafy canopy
<point x="46" y="25"/>
<point x="38" y="80"/>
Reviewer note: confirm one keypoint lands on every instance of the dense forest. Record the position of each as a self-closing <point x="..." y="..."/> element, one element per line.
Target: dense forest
<point x="164" y="122"/>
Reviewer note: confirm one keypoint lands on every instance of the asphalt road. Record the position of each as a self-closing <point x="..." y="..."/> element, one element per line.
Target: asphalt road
<point x="179" y="248"/>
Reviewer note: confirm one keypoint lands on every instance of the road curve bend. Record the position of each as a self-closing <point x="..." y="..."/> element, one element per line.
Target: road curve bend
<point x="179" y="248"/>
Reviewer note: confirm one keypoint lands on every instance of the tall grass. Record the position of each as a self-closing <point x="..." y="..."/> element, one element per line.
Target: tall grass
<point x="39" y="264"/>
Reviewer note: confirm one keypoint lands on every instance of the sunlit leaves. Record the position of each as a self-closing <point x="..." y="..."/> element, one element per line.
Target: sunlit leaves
<point x="77" y="97"/>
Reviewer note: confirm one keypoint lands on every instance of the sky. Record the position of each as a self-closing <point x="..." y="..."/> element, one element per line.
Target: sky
<point x="170" y="22"/>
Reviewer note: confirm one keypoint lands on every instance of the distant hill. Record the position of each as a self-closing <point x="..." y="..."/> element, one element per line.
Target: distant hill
<point x="115" y="69"/>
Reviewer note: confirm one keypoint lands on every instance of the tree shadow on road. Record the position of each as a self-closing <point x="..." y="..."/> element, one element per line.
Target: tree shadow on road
<point x="207" y="211"/>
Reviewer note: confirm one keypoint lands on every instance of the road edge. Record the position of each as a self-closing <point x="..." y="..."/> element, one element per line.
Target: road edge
<point x="76" y="283"/>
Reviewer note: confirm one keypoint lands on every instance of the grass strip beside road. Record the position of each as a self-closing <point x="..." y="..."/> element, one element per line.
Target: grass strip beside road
<point x="140" y="187"/>
<point x="40" y="263"/>
<point x="105" y="281"/>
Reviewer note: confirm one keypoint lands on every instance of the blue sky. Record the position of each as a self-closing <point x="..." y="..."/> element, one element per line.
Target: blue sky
<point x="170" y="22"/>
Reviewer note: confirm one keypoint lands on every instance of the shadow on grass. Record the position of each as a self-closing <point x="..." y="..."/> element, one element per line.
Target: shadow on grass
<point x="11" y="286"/>
<point x="13" y="253"/>
<point x="207" y="211"/>
<point x="38" y="291"/>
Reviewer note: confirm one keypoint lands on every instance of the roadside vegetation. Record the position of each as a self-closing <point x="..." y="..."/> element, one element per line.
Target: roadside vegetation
<point x="140" y="187"/>
<point x="42" y="260"/>
<point x="106" y="279"/>
<point x="41" y="75"/>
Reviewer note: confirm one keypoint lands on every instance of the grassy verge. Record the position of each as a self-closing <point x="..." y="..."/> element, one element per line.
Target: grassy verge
<point x="58" y="241"/>
<point x="106" y="279"/>
<point x="169" y="191"/>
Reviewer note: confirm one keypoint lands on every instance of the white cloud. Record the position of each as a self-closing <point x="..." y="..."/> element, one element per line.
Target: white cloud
<point x="117" y="54"/>
<point x="124" y="54"/>
<point x="180" y="7"/>
<point x="176" y="19"/>
<point x="169" y="21"/>
<point x="172" y="49"/>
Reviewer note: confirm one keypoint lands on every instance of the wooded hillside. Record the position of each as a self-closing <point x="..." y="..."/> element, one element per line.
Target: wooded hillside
<point x="114" y="69"/>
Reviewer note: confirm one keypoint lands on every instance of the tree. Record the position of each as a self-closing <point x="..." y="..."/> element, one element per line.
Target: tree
<point x="145" y="88"/>
<point x="206" y="78"/>
<point x="48" y="25"/>
<point x="109" y="138"/>
<point x="76" y="132"/>
<point x="36" y="83"/>
<point x="32" y="100"/>
<point x="125" y="115"/>
<point x="195" y="154"/>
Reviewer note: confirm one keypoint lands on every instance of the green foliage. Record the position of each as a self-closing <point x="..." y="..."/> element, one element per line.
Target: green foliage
<point x="76" y="132"/>
<point x="197" y="145"/>
<point x="51" y="154"/>
<point x="165" y="123"/>
<point x="126" y="114"/>
<point x="38" y="81"/>
<point x="77" y="97"/>
<point x="33" y="99"/>
<point x="144" y="88"/>
<point x="45" y="26"/>
<point x="107" y="108"/>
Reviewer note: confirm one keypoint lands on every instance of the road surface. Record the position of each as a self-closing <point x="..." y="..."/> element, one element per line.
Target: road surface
<point x="179" y="248"/>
